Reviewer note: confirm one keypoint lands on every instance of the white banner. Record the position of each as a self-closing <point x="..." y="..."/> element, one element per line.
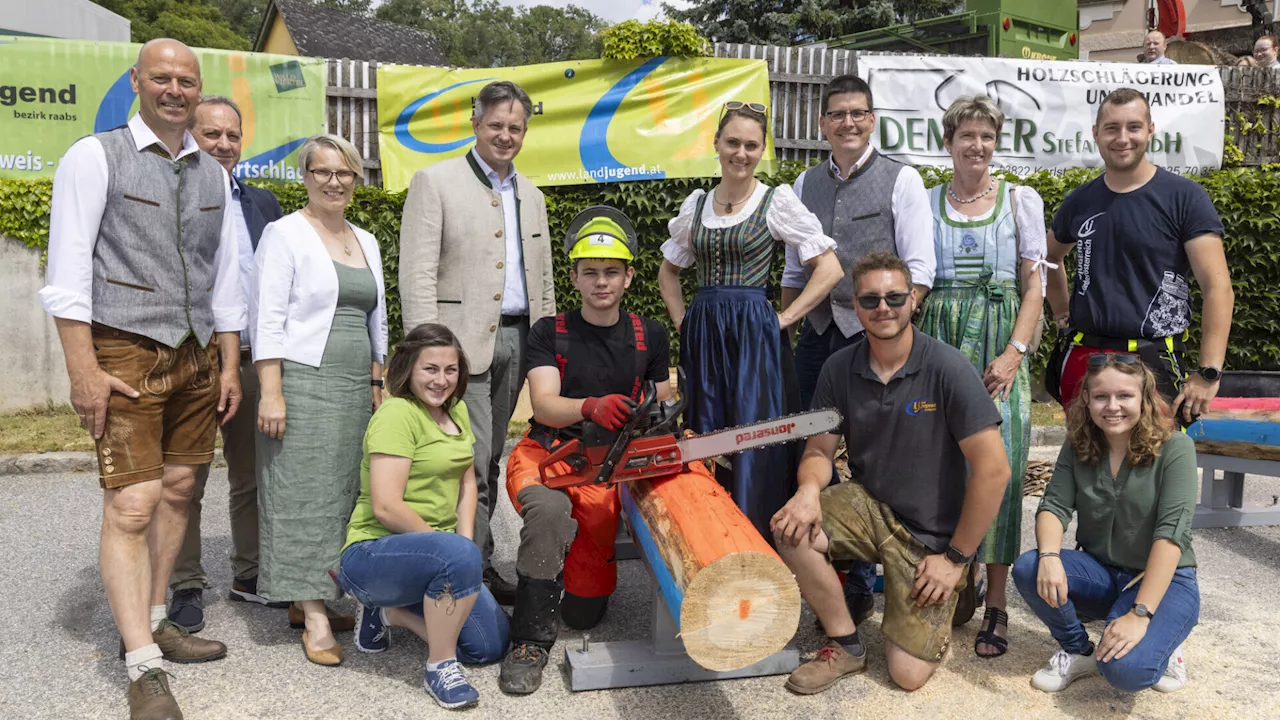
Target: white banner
<point x="1049" y="109"/>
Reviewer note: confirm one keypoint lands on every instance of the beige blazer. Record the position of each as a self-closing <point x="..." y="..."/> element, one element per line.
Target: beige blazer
<point x="452" y="254"/>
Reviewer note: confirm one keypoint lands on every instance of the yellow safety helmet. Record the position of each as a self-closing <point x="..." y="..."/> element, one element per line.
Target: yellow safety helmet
<point x="601" y="232"/>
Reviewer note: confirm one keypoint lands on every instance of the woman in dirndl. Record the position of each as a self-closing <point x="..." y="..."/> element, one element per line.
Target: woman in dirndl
<point x="732" y="347"/>
<point x="989" y="237"/>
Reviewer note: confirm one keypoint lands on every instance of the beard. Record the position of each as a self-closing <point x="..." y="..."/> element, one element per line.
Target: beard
<point x="893" y="331"/>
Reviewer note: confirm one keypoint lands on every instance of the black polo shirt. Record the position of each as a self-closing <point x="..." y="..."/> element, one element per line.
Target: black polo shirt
<point x="904" y="436"/>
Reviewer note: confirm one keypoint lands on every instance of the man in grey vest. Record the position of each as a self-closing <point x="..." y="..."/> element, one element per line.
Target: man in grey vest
<point x="217" y="127"/>
<point x="867" y="203"/>
<point x="142" y="274"/>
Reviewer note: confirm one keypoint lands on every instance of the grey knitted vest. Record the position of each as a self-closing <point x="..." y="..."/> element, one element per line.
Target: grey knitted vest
<point x="153" y="263"/>
<point x="858" y="215"/>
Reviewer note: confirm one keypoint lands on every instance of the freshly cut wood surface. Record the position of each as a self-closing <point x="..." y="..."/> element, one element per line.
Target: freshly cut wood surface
<point x="732" y="597"/>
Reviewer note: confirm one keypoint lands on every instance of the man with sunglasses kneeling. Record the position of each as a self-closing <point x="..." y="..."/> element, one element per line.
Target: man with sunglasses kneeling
<point x="929" y="471"/>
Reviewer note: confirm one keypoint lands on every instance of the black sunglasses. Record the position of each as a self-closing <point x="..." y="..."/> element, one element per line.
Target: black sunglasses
<point x="871" y="302"/>
<point x="1101" y="360"/>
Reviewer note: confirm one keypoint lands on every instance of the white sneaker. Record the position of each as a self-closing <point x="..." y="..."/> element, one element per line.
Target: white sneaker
<point x="1063" y="669"/>
<point x="1175" y="674"/>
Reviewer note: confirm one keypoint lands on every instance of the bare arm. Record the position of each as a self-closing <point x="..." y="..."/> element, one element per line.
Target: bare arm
<point x="1002" y="371"/>
<point x="375" y="373"/>
<point x="1209" y="265"/>
<point x="826" y="273"/>
<point x="271" y="408"/>
<point x="388" y="477"/>
<point x="672" y="296"/>
<point x="988" y="475"/>
<point x="1059" y="292"/>
<point x="467" y="503"/>
<point x="229" y="381"/>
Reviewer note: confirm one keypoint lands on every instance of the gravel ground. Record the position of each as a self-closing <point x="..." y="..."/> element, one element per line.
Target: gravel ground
<point x="58" y="648"/>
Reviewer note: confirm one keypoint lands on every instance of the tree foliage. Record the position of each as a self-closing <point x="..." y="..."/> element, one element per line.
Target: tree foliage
<point x="486" y="33"/>
<point x="244" y="16"/>
<point x="198" y="23"/>
<point x="633" y="39"/>
<point x="789" y="22"/>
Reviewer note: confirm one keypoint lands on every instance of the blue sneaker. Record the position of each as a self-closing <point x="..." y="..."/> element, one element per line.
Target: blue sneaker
<point x="449" y="687"/>
<point x="373" y="634"/>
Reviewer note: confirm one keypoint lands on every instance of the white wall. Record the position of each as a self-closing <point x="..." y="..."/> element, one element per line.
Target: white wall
<point x="32" y="371"/>
<point x="71" y="19"/>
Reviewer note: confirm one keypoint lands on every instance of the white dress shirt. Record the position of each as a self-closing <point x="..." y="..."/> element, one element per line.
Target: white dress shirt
<point x="245" y="245"/>
<point x="515" y="299"/>
<point x="296" y="293"/>
<point x="80" y="198"/>
<point x="1162" y="60"/>
<point x="912" y="226"/>
<point x="787" y="218"/>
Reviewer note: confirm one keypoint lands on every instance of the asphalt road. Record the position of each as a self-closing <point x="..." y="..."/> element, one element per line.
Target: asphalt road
<point x="58" y="644"/>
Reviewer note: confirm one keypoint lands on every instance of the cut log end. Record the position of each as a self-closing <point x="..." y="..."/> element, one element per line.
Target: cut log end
<point x="739" y="610"/>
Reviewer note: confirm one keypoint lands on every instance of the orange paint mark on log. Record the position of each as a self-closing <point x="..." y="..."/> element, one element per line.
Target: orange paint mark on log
<point x="744" y="609"/>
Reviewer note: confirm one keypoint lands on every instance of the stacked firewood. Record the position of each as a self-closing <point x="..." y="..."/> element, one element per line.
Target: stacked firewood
<point x="1037" y="477"/>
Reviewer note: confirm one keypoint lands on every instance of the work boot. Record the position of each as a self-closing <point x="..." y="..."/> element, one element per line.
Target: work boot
<point x="583" y="613"/>
<point x="180" y="646"/>
<point x="150" y="699"/>
<point x="830" y="664"/>
<point x="534" y="626"/>
<point x="502" y="591"/>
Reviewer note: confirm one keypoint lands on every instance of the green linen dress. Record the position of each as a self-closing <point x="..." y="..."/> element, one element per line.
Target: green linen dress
<point x="973" y="306"/>
<point x="309" y="480"/>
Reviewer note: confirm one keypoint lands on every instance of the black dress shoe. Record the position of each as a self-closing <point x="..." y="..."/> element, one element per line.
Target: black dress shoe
<point x="503" y="591"/>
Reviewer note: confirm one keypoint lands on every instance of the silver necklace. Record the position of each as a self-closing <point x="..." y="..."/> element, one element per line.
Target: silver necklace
<point x="990" y="186"/>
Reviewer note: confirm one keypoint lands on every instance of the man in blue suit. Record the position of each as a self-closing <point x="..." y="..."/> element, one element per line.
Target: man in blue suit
<point x="216" y="126"/>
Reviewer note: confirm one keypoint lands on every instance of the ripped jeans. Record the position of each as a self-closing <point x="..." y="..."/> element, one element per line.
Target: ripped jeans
<point x="442" y="567"/>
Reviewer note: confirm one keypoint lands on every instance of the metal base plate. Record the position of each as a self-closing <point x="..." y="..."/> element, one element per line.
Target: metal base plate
<point x="608" y="665"/>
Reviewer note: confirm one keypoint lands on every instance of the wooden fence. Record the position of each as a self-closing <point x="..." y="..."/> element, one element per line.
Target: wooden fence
<point x="797" y="77"/>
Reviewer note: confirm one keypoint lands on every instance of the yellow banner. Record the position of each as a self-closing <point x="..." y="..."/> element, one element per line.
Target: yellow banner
<point x="593" y="121"/>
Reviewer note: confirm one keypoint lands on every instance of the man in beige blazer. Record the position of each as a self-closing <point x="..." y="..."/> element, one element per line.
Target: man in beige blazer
<point x="475" y="256"/>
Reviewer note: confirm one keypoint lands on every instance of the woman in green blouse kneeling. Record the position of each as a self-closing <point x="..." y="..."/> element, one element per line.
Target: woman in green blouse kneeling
<point x="410" y="558"/>
<point x="1132" y="481"/>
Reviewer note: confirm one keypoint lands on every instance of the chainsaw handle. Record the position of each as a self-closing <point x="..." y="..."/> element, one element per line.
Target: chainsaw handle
<point x="572" y="454"/>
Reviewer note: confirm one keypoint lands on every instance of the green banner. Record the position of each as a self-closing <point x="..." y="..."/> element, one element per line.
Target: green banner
<point x="54" y="92"/>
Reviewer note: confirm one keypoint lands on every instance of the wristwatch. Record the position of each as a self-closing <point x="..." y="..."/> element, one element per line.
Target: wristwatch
<point x="1141" y="611"/>
<point x="1210" y="373"/>
<point x="958" y="558"/>
<point x="377" y="384"/>
<point x="1020" y="347"/>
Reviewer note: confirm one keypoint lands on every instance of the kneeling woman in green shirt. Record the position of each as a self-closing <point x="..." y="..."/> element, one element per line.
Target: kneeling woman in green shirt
<point x="410" y="559"/>
<point x="1131" y="480"/>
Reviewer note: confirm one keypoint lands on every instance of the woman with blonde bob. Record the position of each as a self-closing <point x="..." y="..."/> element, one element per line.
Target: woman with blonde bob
<point x="989" y="240"/>
<point x="1132" y="482"/>
<point x="320" y="335"/>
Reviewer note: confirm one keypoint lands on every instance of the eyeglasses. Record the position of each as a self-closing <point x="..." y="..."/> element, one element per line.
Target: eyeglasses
<point x="345" y="177"/>
<point x="1101" y="360"/>
<point x="754" y="107"/>
<point x="894" y="300"/>
<point x="838" y="116"/>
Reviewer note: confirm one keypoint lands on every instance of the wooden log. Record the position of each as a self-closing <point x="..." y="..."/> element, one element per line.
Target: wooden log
<point x="1253" y="409"/>
<point x="732" y="597"/>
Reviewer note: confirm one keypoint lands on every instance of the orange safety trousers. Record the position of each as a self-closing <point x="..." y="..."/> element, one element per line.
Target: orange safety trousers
<point x="589" y="569"/>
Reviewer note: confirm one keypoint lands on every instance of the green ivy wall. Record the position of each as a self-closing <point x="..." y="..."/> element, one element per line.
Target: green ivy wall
<point x="1248" y="200"/>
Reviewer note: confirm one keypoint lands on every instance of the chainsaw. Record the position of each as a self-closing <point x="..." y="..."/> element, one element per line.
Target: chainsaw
<point x="650" y="445"/>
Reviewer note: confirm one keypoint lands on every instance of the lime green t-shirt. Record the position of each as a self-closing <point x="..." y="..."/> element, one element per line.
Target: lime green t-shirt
<point x="405" y="429"/>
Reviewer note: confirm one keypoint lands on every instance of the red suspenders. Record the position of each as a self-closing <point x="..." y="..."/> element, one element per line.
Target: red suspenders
<point x="641" y="350"/>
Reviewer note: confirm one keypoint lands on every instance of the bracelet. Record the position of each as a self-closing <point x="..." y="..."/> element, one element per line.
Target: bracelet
<point x="1050" y="554"/>
<point x="377" y="384"/>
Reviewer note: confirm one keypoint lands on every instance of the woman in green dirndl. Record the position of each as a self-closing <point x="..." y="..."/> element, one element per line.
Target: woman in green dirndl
<point x="989" y="237"/>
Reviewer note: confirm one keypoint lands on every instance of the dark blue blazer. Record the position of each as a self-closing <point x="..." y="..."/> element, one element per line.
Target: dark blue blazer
<point x="260" y="207"/>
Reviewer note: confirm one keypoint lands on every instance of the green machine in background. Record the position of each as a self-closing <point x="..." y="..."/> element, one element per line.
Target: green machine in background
<point x="1028" y="29"/>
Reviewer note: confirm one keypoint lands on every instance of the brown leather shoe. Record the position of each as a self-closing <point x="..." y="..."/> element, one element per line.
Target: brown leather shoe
<point x="149" y="698"/>
<point x="180" y="646"/>
<point x="330" y="656"/>
<point x="337" y="621"/>
<point x="830" y="664"/>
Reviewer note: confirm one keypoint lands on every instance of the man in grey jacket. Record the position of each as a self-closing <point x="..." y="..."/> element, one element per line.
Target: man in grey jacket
<point x="142" y="274"/>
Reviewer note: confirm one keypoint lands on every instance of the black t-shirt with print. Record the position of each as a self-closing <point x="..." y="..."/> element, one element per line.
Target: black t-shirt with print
<point x="601" y="360"/>
<point x="1131" y="263"/>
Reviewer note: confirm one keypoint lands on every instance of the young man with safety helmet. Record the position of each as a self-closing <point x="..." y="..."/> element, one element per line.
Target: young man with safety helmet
<point x="586" y="367"/>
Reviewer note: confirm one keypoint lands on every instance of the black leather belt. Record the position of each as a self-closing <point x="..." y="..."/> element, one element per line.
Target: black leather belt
<point x="509" y="320"/>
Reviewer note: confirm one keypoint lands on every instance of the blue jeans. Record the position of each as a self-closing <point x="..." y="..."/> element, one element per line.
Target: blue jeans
<point x="401" y="570"/>
<point x="1098" y="591"/>
<point x="812" y="351"/>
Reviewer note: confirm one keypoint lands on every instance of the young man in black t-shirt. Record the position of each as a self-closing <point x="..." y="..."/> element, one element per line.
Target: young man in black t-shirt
<point x="1139" y="229"/>
<point x="587" y="365"/>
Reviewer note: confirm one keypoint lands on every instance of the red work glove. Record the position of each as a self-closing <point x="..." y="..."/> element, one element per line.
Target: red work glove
<point x="610" y="412"/>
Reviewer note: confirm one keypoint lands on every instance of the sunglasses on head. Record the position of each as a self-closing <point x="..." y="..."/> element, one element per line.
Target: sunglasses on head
<point x="754" y="107"/>
<point x="894" y="300"/>
<point x="1101" y="360"/>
